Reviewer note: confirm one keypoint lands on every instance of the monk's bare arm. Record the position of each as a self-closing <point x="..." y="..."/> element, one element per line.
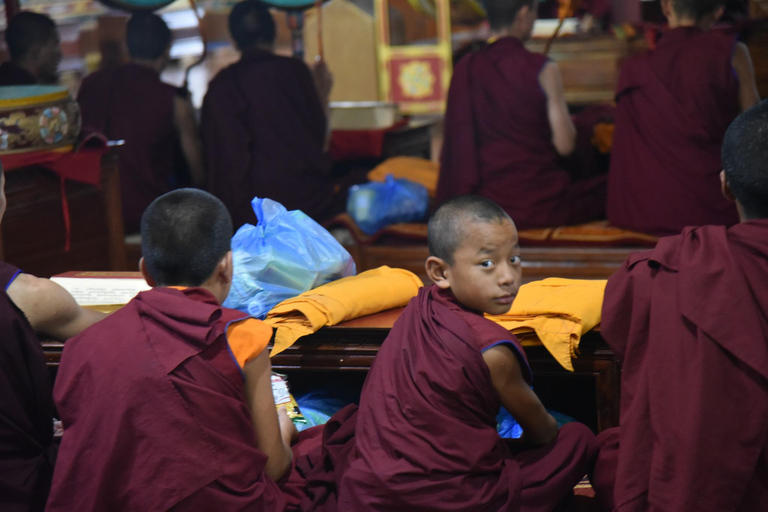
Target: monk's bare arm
<point x="539" y="427"/>
<point x="184" y="120"/>
<point x="50" y="309"/>
<point x="742" y="63"/>
<point x="273" y="434"/>
<point x="563" y="130"/>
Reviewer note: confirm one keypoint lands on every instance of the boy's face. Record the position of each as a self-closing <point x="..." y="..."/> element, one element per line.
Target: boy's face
<point x="486" y="271"/>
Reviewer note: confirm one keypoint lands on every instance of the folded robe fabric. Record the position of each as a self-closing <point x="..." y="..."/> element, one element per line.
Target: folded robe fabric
<point x="559" y="311"/>
<point x="351" y="297"/>
<point x="419" y="170"/>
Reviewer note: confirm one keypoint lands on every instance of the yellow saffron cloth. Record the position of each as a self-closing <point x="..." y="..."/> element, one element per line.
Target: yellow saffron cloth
<point x="559" y="311"/>
<point x="370" y="292"/>
<point x="419" y="170"/>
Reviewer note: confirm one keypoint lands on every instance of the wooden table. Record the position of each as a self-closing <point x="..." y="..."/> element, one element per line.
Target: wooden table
<point x="589" y="394"/>
<point x="33" y="232"/>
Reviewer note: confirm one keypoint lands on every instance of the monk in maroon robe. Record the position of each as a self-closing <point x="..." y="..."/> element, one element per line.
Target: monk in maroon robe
<point x="425" y="435"/>
<point x="689" y="321"/>
<point x="507" y="124"/>
<point x="33" y="45"/>
<point x="162" y="150"/>
<point x="27" y="451"/>
<point x="673" y="106"/>
<point x="167" y="404"/>
<point x="265" y="128"/>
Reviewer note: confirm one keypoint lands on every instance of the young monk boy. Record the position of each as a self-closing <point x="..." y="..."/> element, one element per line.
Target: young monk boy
<point x="426" y="434"/>
<point x="506" y="125"/>
<point x="673" y="106"/>
<point x="167" y="404"/>
<point x="29" y="305"/>
<point x="689" y="321"/>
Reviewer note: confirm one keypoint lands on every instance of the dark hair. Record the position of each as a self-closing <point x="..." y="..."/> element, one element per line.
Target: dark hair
<point x="147" y="36"/>
<point x="251" y="23"/>
<point x="502" y="13"/>
<point x="696" y="9"/>
<point x="745" y="160"/>
<point x="27" y="29"/>
<point x="444" y="235"/>
<point x="184" y="235"/>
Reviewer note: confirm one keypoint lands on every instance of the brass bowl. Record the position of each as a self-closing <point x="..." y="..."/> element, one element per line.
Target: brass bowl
<point x="37" y="118"/>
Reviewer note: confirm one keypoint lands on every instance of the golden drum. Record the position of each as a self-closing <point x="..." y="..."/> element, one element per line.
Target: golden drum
<point x="37" y="118"/>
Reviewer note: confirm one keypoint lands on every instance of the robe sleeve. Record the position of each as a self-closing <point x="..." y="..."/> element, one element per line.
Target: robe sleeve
<point x="247" y="339"/>
<point x="626" y="306"/>
<point x="459" y="165"/>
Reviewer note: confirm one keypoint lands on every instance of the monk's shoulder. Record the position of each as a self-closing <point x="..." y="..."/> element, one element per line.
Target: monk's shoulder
<point x="669" y="251"/>
<point x="97" y="79"/>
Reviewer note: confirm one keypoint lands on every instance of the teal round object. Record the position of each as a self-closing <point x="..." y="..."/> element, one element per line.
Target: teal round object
<point x="290" y="4"/>
<point x="137" y="5"/>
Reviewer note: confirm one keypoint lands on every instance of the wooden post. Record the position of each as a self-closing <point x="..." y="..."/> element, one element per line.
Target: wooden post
<point x="12" y="8"/>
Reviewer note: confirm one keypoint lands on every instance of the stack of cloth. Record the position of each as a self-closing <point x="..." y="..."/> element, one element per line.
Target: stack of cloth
<point x="557" y="312"/>
<point x="370" y="292"/>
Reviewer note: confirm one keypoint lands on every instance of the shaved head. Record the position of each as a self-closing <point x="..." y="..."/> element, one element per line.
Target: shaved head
<point x="444" y="231"/>
<point x="502" y="13"/>
<point x="745" y="160"/>
<point x="251" y="24"/>
<point x="696" y="10"/>
<point x="184" y="235"/>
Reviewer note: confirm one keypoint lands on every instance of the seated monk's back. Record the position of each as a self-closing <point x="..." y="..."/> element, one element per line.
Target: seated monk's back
<point x="498" y="140"/>
<point x="130" y="103"/>
<point x="673" y="107"/>
<point x="264" y="131"/>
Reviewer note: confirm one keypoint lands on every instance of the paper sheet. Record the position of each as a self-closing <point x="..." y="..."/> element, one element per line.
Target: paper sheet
<point x="101" y="291"/>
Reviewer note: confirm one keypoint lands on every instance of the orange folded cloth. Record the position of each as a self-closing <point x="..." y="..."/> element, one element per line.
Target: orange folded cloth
<point x="559" y="311"/>
<point x="370" y="292"/>
<point x="419" y="170"/>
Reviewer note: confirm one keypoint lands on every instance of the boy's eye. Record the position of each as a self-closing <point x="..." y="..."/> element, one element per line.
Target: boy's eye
<point x="516" y="260"/>
<point x="486" y="263"/>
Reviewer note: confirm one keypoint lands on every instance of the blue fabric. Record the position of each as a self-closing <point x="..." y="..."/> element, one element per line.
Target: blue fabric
<point x="509" y="427"/>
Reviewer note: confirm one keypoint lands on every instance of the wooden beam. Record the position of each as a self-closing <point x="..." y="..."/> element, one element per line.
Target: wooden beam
<point x="12" y="8"/>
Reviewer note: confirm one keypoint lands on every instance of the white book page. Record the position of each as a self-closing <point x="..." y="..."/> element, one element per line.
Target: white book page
<point x="101" y="291"/>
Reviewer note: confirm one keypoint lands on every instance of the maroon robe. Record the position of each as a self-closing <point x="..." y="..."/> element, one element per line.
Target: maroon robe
<point x="11" y="74"/>
<point x="426" y="437"/>
<point x="674" y="105"/>
<point x="264" y="130"/>
<point x="498" y="142"/>
<point x="130" y="103"/>
<point x="689" y="321"/>
<point x="26" y="409"/>
<point x="155" y="415"/>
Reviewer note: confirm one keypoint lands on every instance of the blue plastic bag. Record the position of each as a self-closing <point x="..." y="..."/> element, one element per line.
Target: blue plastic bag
<point x="376" y="205"/>
<point x="284" y="254"/>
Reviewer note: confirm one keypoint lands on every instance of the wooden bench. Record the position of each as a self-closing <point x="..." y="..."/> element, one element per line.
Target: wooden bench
<point x="345" y="351"/>
<point x="538" y="262"/>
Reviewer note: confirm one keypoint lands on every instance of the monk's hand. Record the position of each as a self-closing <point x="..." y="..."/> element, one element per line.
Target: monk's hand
<point x="322" y="77"/>
<point x="288" y="430"/>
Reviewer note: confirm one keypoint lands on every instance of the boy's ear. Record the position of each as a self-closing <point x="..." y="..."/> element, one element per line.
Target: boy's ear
<point x="145" y="273"/>
<point x="226" y="268"/>
<point x="438" y="271"/>
<point x="726" y="188"/>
